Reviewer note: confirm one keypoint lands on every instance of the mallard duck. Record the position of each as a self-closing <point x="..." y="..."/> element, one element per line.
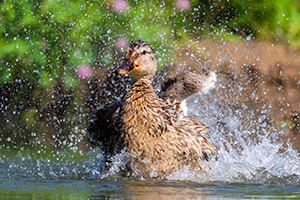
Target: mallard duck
<point x="104" y="125"/>
<point x="155" y="133"/>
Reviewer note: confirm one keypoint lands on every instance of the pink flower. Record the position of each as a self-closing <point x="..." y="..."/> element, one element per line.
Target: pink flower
<point x="84" y="72"/>
<point x="120" y="5"/>
<point x="183" y="4"/>
<point x="121" y="43"/>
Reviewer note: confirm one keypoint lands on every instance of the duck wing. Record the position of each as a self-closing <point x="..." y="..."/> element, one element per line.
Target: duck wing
<point x="187" y="131"/>
<point x="182" y="85"/>
<point x="105" y="127"/>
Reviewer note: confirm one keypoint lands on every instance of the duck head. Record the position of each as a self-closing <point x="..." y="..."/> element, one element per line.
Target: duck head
<point x="139" y="61"/>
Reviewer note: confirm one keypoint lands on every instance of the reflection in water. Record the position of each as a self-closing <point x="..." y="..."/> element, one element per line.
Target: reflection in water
<point x="26" y="188"/>
<point x="165" y="190"/>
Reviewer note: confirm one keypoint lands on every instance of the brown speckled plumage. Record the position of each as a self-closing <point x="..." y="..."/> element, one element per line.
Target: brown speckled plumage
<point x="157" y="136"/>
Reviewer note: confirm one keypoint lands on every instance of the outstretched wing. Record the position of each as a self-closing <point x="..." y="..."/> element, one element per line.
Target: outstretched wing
<point x="182" y="85"/>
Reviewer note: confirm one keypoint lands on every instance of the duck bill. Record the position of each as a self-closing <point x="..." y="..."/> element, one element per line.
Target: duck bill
<point x="125" y="68"/>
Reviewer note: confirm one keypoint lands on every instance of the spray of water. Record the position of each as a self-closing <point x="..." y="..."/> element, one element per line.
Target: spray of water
<point x="248" y="147"/>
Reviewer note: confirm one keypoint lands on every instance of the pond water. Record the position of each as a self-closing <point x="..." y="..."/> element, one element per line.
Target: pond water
<point x="21" y="184"/>
<point x="251" y="162"/>
<point x="126" y="189"/>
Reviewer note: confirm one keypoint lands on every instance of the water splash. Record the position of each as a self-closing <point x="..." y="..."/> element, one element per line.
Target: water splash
<point x="248" y="148"/>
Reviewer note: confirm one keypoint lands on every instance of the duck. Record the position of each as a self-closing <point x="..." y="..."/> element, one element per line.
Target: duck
<point x="104" y="120"/>
<point x="155" y="133"/>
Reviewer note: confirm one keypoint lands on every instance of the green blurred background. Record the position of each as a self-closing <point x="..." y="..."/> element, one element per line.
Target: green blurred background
<point x="48" y="50"/>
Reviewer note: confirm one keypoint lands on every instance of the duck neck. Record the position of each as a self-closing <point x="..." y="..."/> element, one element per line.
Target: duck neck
<point x="140" y="109"/>
<point x="141" y="91"/>
<point x="149" y="77"/>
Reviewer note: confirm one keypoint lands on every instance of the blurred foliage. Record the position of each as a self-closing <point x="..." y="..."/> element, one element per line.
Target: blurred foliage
<point x="42" y="43"/>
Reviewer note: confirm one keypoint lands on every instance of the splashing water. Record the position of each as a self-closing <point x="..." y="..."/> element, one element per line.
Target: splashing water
<point x="247" y="149"/>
